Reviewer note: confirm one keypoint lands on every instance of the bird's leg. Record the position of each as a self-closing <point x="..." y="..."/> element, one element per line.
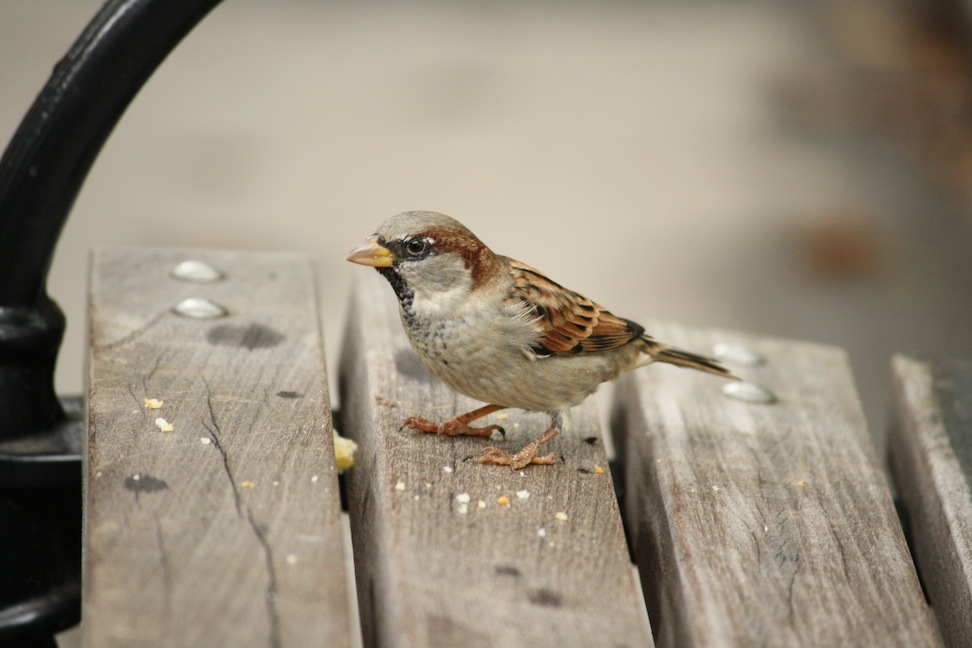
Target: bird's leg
<point x="457" y="425"/>
<point x="526" y="455"/>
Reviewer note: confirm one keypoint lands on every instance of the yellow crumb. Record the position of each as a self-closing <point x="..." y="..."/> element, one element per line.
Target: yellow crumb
<point x="560" y="515"/>
<point x="801" y="483"/>
<point x="503" y="500"/>
<point x="163" y="425"/>
<point x="598" y="469"/>
<point x="153" y="403"/>
<point x="344" y="450"/>
<point x="247" y="484"/>
<point x="502" y="416"/>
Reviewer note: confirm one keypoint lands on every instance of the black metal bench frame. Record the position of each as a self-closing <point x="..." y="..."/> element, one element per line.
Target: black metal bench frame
<point x="41" y="173"/>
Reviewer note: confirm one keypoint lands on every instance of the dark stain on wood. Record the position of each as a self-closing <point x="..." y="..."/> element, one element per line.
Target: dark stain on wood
<point x="546" y="598"/>
<point x="289" y="394"/>
<point x="145" y="484"/>
<point x="507" y="570"/>
<point x="251" y="336"/>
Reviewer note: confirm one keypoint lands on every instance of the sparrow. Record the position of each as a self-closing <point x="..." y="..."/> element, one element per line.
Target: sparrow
<point x="502" y="332"/>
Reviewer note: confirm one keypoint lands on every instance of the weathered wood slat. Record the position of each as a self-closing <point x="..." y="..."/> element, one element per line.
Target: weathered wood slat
<point x="224" y="531"/>
<point x="439" y="560"/>
<point x="930" y="447"/>
<point x="763" y="525"/>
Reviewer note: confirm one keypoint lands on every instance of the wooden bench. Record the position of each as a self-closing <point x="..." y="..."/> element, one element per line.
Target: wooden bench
<point x="930" y="446"/>
<point x="750" y="523"/>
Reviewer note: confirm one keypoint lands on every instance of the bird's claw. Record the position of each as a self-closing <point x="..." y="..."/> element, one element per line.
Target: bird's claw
<point x="420" y="424"/>
<point x="516" y="461"/>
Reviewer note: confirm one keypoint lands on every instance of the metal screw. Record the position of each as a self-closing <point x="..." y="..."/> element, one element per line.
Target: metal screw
<point x="198" y="308"/>
<point x="738" y="354"/>
<point x="196" y="272"/>
<point x="749" y="392"/>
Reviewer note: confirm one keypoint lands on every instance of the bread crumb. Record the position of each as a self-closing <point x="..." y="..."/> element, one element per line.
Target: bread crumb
<point x="447" y="469"/>
<point x="801" y="483"/>
<point x="598" y="469"/>
<point x="344" y="450"/>
<point x="291" y="559"/>
<point x="560" y="515"/>
<point x="247" y="484"/>
<point x="481" y="504"/>
<point x="205" y="440"/>
<point x="503" y="500"/>
<point x="523" y="494"/>
<point x="462" y="498"/>
<point x="153" y="403"/>
<point x="163" y="425"/>
<point x="542" y="532"/>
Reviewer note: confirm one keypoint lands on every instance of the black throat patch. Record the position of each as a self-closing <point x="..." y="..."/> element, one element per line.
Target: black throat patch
<point x="402" y="290"/>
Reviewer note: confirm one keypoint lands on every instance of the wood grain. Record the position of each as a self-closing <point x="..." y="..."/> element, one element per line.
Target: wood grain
<point x="763" y="525"/>
<point x="930" y="448"/>
<point x="226" y="530"/>
<point x="549" y="569"/>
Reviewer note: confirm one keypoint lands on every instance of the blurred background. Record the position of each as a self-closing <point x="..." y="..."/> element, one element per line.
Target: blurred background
<point x="792" y="169"/>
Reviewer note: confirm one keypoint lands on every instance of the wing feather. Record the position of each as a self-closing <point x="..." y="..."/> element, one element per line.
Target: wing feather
<point x="567" y="322"/>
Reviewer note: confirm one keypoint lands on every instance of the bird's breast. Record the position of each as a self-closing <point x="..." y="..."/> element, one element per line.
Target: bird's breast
<point x="483" y="358"/>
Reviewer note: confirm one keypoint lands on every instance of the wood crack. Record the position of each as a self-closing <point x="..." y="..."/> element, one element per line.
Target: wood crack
<point x="271" y="589"/>
<point x="216" y="433"/>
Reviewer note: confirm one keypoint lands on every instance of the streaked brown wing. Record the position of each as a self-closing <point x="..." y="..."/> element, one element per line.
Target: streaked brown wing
<point x="569" y="323"/>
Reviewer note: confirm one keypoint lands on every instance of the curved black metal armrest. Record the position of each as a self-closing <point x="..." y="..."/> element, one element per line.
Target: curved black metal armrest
<point x="41" y="173"/>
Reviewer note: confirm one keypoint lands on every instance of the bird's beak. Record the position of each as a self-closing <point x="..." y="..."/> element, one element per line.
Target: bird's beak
<point x="372" y="253"/>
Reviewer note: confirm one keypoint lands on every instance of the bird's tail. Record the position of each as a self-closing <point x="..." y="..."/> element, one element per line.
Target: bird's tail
<point x="682" y="358"/>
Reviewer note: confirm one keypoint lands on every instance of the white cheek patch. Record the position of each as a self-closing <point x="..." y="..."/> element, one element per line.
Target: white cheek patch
<point x="438" y="303"/>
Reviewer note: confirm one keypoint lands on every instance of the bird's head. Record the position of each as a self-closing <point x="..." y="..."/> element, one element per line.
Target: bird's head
<point x="427" y="255"/>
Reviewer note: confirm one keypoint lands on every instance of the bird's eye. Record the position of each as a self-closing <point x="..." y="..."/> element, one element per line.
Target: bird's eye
<point x="416" y="247"/>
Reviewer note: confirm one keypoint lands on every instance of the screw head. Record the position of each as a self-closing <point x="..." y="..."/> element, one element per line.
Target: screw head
<point x="198" y="308"/>
<point x="196" y="272"/>
<point x="749" y="392"/>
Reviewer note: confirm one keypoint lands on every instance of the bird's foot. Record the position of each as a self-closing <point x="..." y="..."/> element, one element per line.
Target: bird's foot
<point x="452" y="427"/>
<point x="516" y="461"/>
<point x="526" y="456"/>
